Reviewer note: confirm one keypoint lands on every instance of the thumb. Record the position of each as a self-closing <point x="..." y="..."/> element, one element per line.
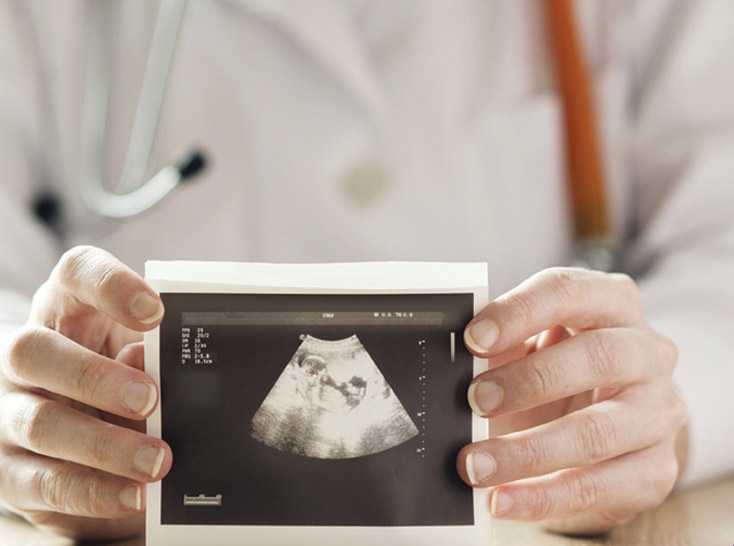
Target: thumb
<point x="96" y="278"/>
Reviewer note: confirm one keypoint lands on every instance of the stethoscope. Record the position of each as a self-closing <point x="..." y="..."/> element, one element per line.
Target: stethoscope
<point x="128" y="197"/>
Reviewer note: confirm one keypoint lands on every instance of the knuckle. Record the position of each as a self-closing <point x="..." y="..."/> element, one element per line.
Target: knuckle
<point x="22" y="349"/>
<point x="539" y="504"/>
<point x="53" y="486"/>
<point x="91" y="264"/>
<point x="602" y="354"/>
<point x="596" y="436"/>
<point x="520" y="306"/>
<point x="35" y="423"/>
<point x="89" y="377"/>
<point x="533" y="452"/>
<point x="94" y="503"/>
<point x="586" y="491"/>
<point x="563" y="282"/>
<point x="101" y="449"/>
<point x="108" y="279"/>
<point x="540" y="379"/>
<point x="67" y="491"/>
<point x="74" y="261"/>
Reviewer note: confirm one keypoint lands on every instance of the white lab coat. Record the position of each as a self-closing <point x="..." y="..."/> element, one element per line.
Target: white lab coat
<point x="410" y="130"/>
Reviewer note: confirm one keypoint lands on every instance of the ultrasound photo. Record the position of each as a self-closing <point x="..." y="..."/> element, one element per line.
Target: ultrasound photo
<point x="332" y="402"/>
<point x="315" y="409"/>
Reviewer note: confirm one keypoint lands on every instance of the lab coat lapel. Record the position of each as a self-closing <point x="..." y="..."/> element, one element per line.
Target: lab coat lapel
<point x="323" y="28"/>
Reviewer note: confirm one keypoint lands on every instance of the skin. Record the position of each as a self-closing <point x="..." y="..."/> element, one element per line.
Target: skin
<point x="586" y="430"/>
<point x="73" y="398"/>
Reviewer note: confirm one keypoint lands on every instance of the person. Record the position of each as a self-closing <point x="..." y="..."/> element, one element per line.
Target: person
<point x="381" y="130"/>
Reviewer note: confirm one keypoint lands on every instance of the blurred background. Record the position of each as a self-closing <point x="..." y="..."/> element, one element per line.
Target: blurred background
<point x="521" y="133"/>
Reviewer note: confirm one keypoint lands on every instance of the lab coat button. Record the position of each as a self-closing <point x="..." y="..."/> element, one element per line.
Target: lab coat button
<point x="364" y="183"/>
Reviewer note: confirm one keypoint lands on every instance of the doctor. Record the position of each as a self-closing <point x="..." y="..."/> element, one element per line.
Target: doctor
<point x="374" y="130"/>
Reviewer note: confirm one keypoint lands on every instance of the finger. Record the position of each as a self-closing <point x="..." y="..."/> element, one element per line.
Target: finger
<point x="614" y="489"/>
<point x="133" y="354"/>
<point x="551" y="337"/>
<point x="571" y="297"/>
<point x="592" y="359"/>
<point x="98" y="279"/>
<point x="130" y="355"/>
<point x="34" y="483"/>
<point x="544" y="339"/>
<point x="514" y="353"/>
<point x="55" y="430"/>
<point x="44" y="358"/>
<point x="53" y="307"/>
<point x="588" y="436"/>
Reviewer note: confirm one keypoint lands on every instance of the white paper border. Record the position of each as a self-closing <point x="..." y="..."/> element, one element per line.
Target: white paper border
<point x="380" y="278"/>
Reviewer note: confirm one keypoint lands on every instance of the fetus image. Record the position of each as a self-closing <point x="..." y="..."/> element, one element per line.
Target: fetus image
<point x="332" y="402"/>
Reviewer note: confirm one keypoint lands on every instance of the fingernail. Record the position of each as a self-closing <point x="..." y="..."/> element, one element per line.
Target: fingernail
<point x="149" y="460"/>
<point x="139" y="397"/>
<point x="485" y="396"/>
<point x="132" y="497"/>
<point x="500" y="503"/>
<point x="482" y="334"/>
<point x="479" y="467"/>
<point x="146" y="308"/>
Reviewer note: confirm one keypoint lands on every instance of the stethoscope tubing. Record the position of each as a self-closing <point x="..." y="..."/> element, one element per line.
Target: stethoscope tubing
<point x="129" y="197"/>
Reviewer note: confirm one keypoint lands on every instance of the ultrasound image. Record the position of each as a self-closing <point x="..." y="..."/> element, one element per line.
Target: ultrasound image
<point x="332" y="402"/>
<point x="315" y="409"/>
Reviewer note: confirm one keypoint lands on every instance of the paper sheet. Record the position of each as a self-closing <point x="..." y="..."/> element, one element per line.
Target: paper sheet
<point x="315" y="404"/>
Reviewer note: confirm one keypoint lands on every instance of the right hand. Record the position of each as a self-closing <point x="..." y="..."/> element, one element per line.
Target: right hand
<point x="73" y="399"/>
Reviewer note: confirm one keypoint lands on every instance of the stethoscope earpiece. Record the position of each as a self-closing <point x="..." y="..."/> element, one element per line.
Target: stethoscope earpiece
<point x="193" y="164"/>
<point x="47" y="207"/>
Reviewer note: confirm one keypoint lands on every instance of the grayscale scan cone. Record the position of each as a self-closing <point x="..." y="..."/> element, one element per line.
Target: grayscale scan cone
<point x="332" y="402"/>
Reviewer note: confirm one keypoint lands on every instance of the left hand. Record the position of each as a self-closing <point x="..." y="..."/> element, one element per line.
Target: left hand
<point x="584" y="413"/>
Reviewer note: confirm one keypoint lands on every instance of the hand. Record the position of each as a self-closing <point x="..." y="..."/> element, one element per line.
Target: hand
<point x="73" y="454"/>
<point x="580" y="390"/>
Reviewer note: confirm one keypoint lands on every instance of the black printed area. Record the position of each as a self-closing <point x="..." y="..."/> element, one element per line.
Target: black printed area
<point x="315" y="409"/>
